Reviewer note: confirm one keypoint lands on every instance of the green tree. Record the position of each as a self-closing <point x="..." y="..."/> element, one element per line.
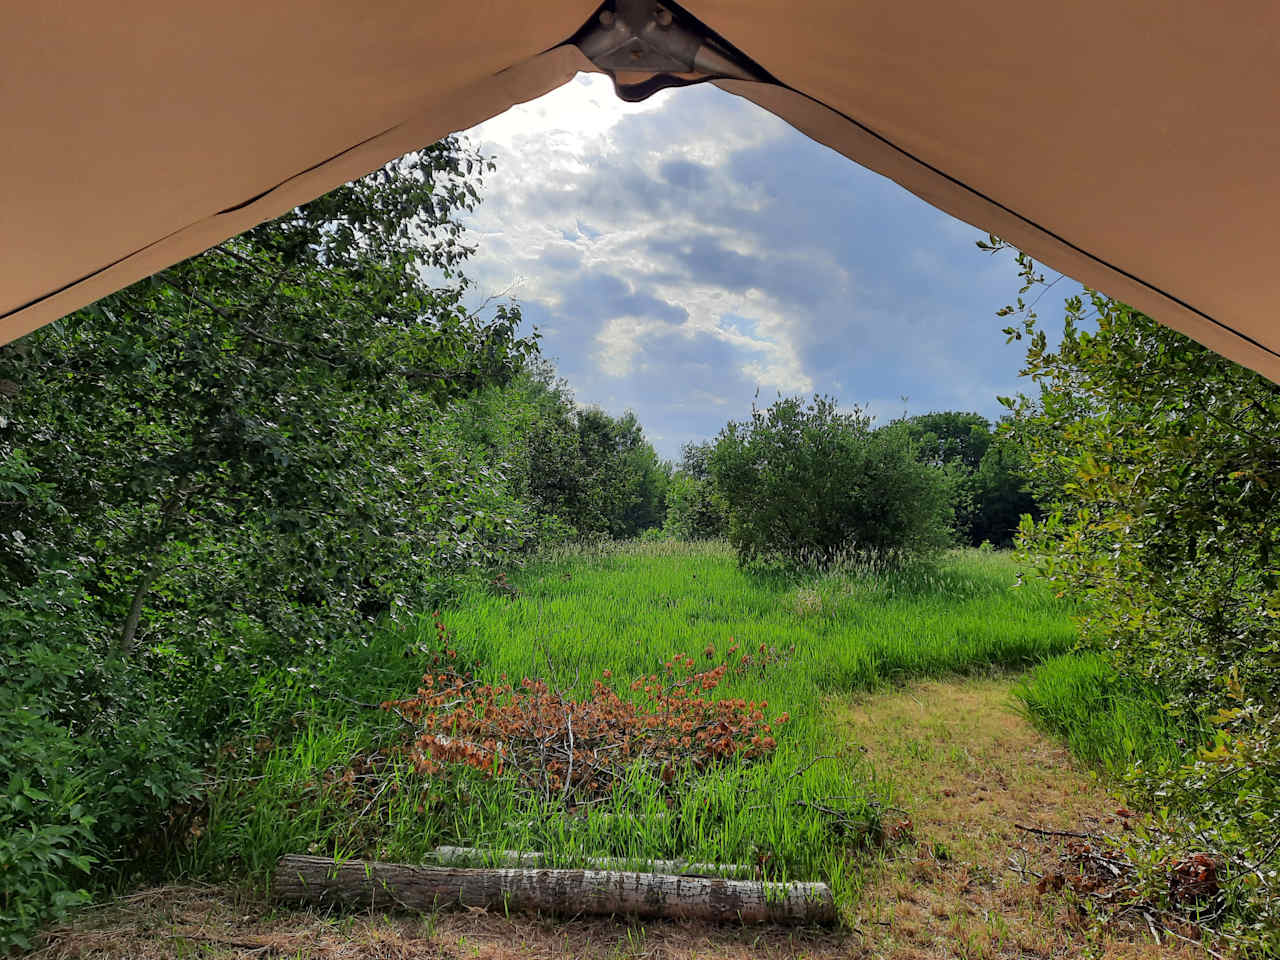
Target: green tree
<point x="228" y="462"/>
<point x="1165" y="457"/>
<point x="950" y="437"/>
<point x="625" y="480"/>
<point x="1001" y="494"/>
<point x="694" y="512"/>
<point x="807" y="482"/>
<point x="581" y="472"/>
<point x="989" y="473"/>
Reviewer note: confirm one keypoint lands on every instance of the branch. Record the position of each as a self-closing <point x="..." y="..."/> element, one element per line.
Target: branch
<point x="1039" y="831"/>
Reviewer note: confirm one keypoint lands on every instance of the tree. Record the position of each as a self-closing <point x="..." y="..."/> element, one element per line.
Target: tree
<point x="808" y="483"/>
<point x="694" y="512"/>
<point x="950" y="437"/>
<point x="1165" y="456"/>
<point x="228" y="462"/>
<point x="246" y="427"/>
<point x="989" y="473"/>
<point x="625" y="480"/>
<point x="1001" y="494"/>
<point x="581" y="472"/>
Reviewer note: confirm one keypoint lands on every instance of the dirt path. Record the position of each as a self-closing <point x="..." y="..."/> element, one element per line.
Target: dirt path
<point x="965" y="764"/>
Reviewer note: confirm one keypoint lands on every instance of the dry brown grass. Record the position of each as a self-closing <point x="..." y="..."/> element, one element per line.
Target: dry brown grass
<point x="216" y="924"/>
<point x="966" y="766"/>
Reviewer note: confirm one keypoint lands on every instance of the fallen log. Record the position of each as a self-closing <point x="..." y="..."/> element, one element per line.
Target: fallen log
<point x="476" y="857"/>
<point x="361" y="884"/>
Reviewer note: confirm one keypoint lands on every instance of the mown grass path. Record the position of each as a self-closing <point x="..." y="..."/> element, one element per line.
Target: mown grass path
<point x="970" y="768"/>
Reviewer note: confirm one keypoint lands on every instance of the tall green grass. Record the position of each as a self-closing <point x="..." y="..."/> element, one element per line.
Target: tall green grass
<point x="1108" y="721"/>
<point x="627" y="609"/>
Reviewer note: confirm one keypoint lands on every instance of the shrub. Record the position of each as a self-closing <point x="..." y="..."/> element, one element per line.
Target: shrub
<point x="807" y="483"/>
<point x="1169" y="490"/>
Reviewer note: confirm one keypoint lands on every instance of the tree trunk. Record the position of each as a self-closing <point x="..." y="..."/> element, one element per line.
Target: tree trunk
<point x="361" y="884"/>
<point x="129" y="633"/>
<point x="473" y="857"/>
<point x="130" y="630"/>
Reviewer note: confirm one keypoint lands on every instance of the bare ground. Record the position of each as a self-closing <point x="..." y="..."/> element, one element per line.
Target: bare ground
<point x="966" y="766"/>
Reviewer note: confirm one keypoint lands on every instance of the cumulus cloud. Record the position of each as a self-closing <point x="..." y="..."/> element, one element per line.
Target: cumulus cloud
<point x="681" y="255"/>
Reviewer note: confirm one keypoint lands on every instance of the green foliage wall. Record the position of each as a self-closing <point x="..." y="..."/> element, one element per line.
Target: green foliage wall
<point x="221" y="468"/>
<point x="272" y="447"/>
<point x="1166" y="525"/>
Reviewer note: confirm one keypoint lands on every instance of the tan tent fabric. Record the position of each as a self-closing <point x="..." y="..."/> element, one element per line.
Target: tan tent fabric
<point x="137" y="133"/>
<point x="1133" y="145"/>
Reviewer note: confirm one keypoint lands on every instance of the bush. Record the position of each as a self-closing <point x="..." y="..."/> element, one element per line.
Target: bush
<point x="692" y="510"/>
<point x="93" y="755"/>
<point x="1164" y="455"/>
<point x="806" y="483"/>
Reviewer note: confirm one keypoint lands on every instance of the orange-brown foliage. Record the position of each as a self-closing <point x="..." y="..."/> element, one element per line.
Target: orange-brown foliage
<point x="578" y="748"/>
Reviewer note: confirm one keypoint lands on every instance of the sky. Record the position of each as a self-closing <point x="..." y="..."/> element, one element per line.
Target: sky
<point x="684" y="255"/>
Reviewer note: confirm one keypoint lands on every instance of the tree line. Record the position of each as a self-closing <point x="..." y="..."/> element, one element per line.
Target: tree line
<point x="223" y="471"/>
<point x="807" y="481"/>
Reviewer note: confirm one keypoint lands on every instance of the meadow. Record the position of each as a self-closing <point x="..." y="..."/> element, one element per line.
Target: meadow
<point x="636" y="631"/>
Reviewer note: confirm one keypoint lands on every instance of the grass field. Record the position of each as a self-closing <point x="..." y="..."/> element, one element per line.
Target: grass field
<point x="320" y="768"/>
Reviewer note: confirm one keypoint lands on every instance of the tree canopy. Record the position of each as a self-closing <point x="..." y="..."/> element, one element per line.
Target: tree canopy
<point x="1164" y="458"/>
<point x="809" y="482"/>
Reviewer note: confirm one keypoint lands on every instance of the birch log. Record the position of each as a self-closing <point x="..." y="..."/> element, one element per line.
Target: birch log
<point x="361" y="884"/>
<point x="476" y="857"/>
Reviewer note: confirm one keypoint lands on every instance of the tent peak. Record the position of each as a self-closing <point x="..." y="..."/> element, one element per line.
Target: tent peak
<point x="646" y="46"/>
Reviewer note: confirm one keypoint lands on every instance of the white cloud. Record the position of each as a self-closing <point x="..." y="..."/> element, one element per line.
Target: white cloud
<point x="681" y="253"/>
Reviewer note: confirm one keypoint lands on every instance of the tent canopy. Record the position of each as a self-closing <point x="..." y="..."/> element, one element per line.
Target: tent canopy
<point x="1133" y="145"/>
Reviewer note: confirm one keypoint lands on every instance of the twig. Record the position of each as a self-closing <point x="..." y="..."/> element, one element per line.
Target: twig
<point x="376" y="797"/>
<point x="1059" y="833"/>
<point x="1195" y="943"/>
<point x="1022" y="867"/>
<point x="799" y="770"/>
<point x="568" y="776"/>
<point x="1151" y="925"/>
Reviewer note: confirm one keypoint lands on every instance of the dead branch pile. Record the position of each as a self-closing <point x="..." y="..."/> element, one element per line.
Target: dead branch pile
<point x="1096" y="867"/>
<point x="575" y="749"/>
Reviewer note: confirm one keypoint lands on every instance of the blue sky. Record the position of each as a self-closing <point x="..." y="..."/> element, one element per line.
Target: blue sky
<point x="681" y="254"/>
